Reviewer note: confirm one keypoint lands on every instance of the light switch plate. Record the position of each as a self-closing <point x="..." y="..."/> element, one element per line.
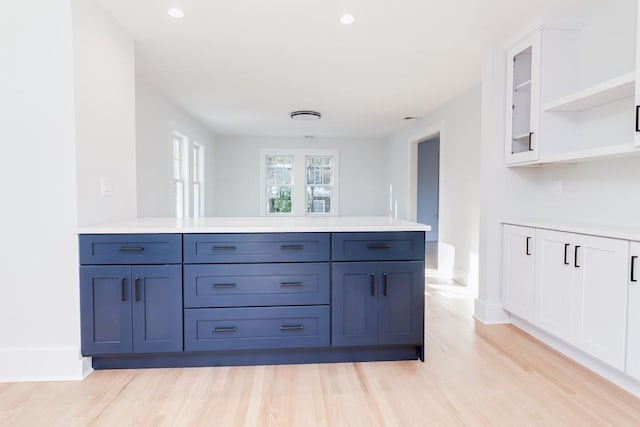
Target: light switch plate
<point x="105" y="187"/>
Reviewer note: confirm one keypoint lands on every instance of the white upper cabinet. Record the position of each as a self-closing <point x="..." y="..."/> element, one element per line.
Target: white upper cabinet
<point x="523" y="100"/>
<point x="636" y="139"/>
<point x="587" y="97"/>
<point x="633" y="321"/>
<point x="518" y="270"/>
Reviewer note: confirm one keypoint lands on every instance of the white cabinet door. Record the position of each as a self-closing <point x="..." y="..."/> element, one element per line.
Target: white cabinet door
<point x="600" y="288"/>
<point x="637" y="112"/>
<point x="523" y="101"/>
<point x="633" y="321"/>
<point x="518" y="271"/>
<point x="554" y="276"/>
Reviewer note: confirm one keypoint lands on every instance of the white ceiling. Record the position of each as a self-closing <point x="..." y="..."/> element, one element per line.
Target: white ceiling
<point x="241" y="66"/>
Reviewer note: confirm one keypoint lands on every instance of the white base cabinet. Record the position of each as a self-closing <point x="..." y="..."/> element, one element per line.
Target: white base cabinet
<point x="633" y="320"/>
<point x="518" y="271"/>
<point x="579" y="293"/>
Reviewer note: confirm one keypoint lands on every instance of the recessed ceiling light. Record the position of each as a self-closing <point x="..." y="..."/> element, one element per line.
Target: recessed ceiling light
<point x="305" y="115"/>
<point x="347" y="19"/>
<point x="175" y="12"/>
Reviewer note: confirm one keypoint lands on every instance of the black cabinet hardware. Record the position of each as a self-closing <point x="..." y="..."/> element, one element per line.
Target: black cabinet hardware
<point x="223" y="248"/>
<point x="225" y="329"/>
<point x="373" y="284"/>
<point x="530" y="135"/>
<point x="291" y="327"/>
<point x="637" y="118"/>
<point x="291" y="285"/>
<point x="575" y="257"/>
<point x="384" y="275"/>
<point x="528" y="239"/>
<point x="137" y="286"/>
<point x="292" y="247"/>
<point x="633" y="268"/>
<point x="123" y="289"/>
<point x="223" y="285"/>
<point x="566" y="246"/>
<point x="378" y="246"/>
<point x="130" y="249"/>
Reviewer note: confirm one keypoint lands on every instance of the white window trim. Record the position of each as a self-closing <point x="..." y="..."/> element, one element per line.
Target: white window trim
<point x="185" y="167"/>
<point x="298" y="201"/>
<point x="201" y="174"/>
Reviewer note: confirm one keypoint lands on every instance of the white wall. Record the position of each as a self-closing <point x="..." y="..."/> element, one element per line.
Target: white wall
<point x="237" y="173"/>
<point x="105" y="114"/>
<point x="156" y="120"/>
<point x="458" y="123"/>
<point x="601" y="194"/>
<point x="39" y="314"/>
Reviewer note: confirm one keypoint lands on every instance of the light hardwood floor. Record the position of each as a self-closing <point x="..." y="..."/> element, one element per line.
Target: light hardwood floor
<point x="473" y="375"/>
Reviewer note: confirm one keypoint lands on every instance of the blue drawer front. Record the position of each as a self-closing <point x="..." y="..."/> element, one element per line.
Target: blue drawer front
<point x="383" y="246"/>
<point x="130" y="248"/>
<point x="256" y="328"/>
<point x="247" y="248"/>
<point x="251" y="285"/>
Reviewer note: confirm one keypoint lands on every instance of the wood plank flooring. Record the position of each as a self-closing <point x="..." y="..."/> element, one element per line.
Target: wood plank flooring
<point x="474" y="375"/>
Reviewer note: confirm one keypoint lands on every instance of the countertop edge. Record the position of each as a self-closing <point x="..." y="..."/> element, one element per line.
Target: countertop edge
<point x="577" y="229"/>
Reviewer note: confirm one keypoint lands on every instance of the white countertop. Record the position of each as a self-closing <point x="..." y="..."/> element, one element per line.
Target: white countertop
<point x="593" y="230"/>
<point x="255" y="225"/>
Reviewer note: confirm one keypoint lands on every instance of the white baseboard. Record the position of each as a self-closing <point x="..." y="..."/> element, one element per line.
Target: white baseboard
<point x="617" y="377"/>
<point x="43" y="364"/>
<point x="461" y="276"/>
<point x="490" y="313"/>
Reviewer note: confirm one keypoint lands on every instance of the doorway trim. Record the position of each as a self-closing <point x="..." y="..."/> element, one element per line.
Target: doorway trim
<point x="414" y="140"/>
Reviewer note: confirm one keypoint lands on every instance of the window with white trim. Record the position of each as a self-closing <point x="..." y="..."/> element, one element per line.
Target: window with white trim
<point x="198" y="180"/>
<point x="299" y="182"/>
<point x="180" y="168"/>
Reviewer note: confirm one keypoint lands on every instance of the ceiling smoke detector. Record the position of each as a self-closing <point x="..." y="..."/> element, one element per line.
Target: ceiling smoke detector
<point x="305" y="115"/>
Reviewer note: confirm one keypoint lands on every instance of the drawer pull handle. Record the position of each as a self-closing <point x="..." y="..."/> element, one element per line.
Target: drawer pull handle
<point x="575" y="257"/>
<point x="379" y="246"/>
<point x="384" y="275"/>
<point x="137" y="286"/>
<point x="291" y="285"/>
<point x="223" y="248"/>
<point x="130" y="249"/>
<point x="633" y="268"/>
<point x="123" y="289"/>
<point x="527" y="248"/>
<point x="223" y="285"/>
<point x="291" y="327"/>
<point x="566" y="246"/>
<point x="292" y="247"/>
<point x="225" y="330"/>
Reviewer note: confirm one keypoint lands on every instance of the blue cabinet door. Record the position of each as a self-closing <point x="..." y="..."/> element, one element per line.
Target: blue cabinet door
<point x="354" y="304"/>
<point x="401" y="303"/>
<point x="157" y="308"/>
<point x="105" y="309"/>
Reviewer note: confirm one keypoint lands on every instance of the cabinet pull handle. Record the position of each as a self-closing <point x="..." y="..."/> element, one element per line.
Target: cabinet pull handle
<point x="633" y="268"/>
<point x="223" y="248"/>
<point x="637" y="118"/>
<point x="528" y="240"/>
<point x="130" y="249"/>
<point x="291" y="327"/>
<point x="225" y="329"/>
<point x="566" y="246"/>
<point x="123" y="289"/>
<point x="530" y="135"/>
<point x="373" y="284"/>
<point x="291" y="247"/>
<point x="223" y="285"/>
<point x="575" y="257"/>
<point x="378" y="246"/>
<point x="384" y="275"/>
<point x="137" y="286"/>
<point x="291" y="285"/>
